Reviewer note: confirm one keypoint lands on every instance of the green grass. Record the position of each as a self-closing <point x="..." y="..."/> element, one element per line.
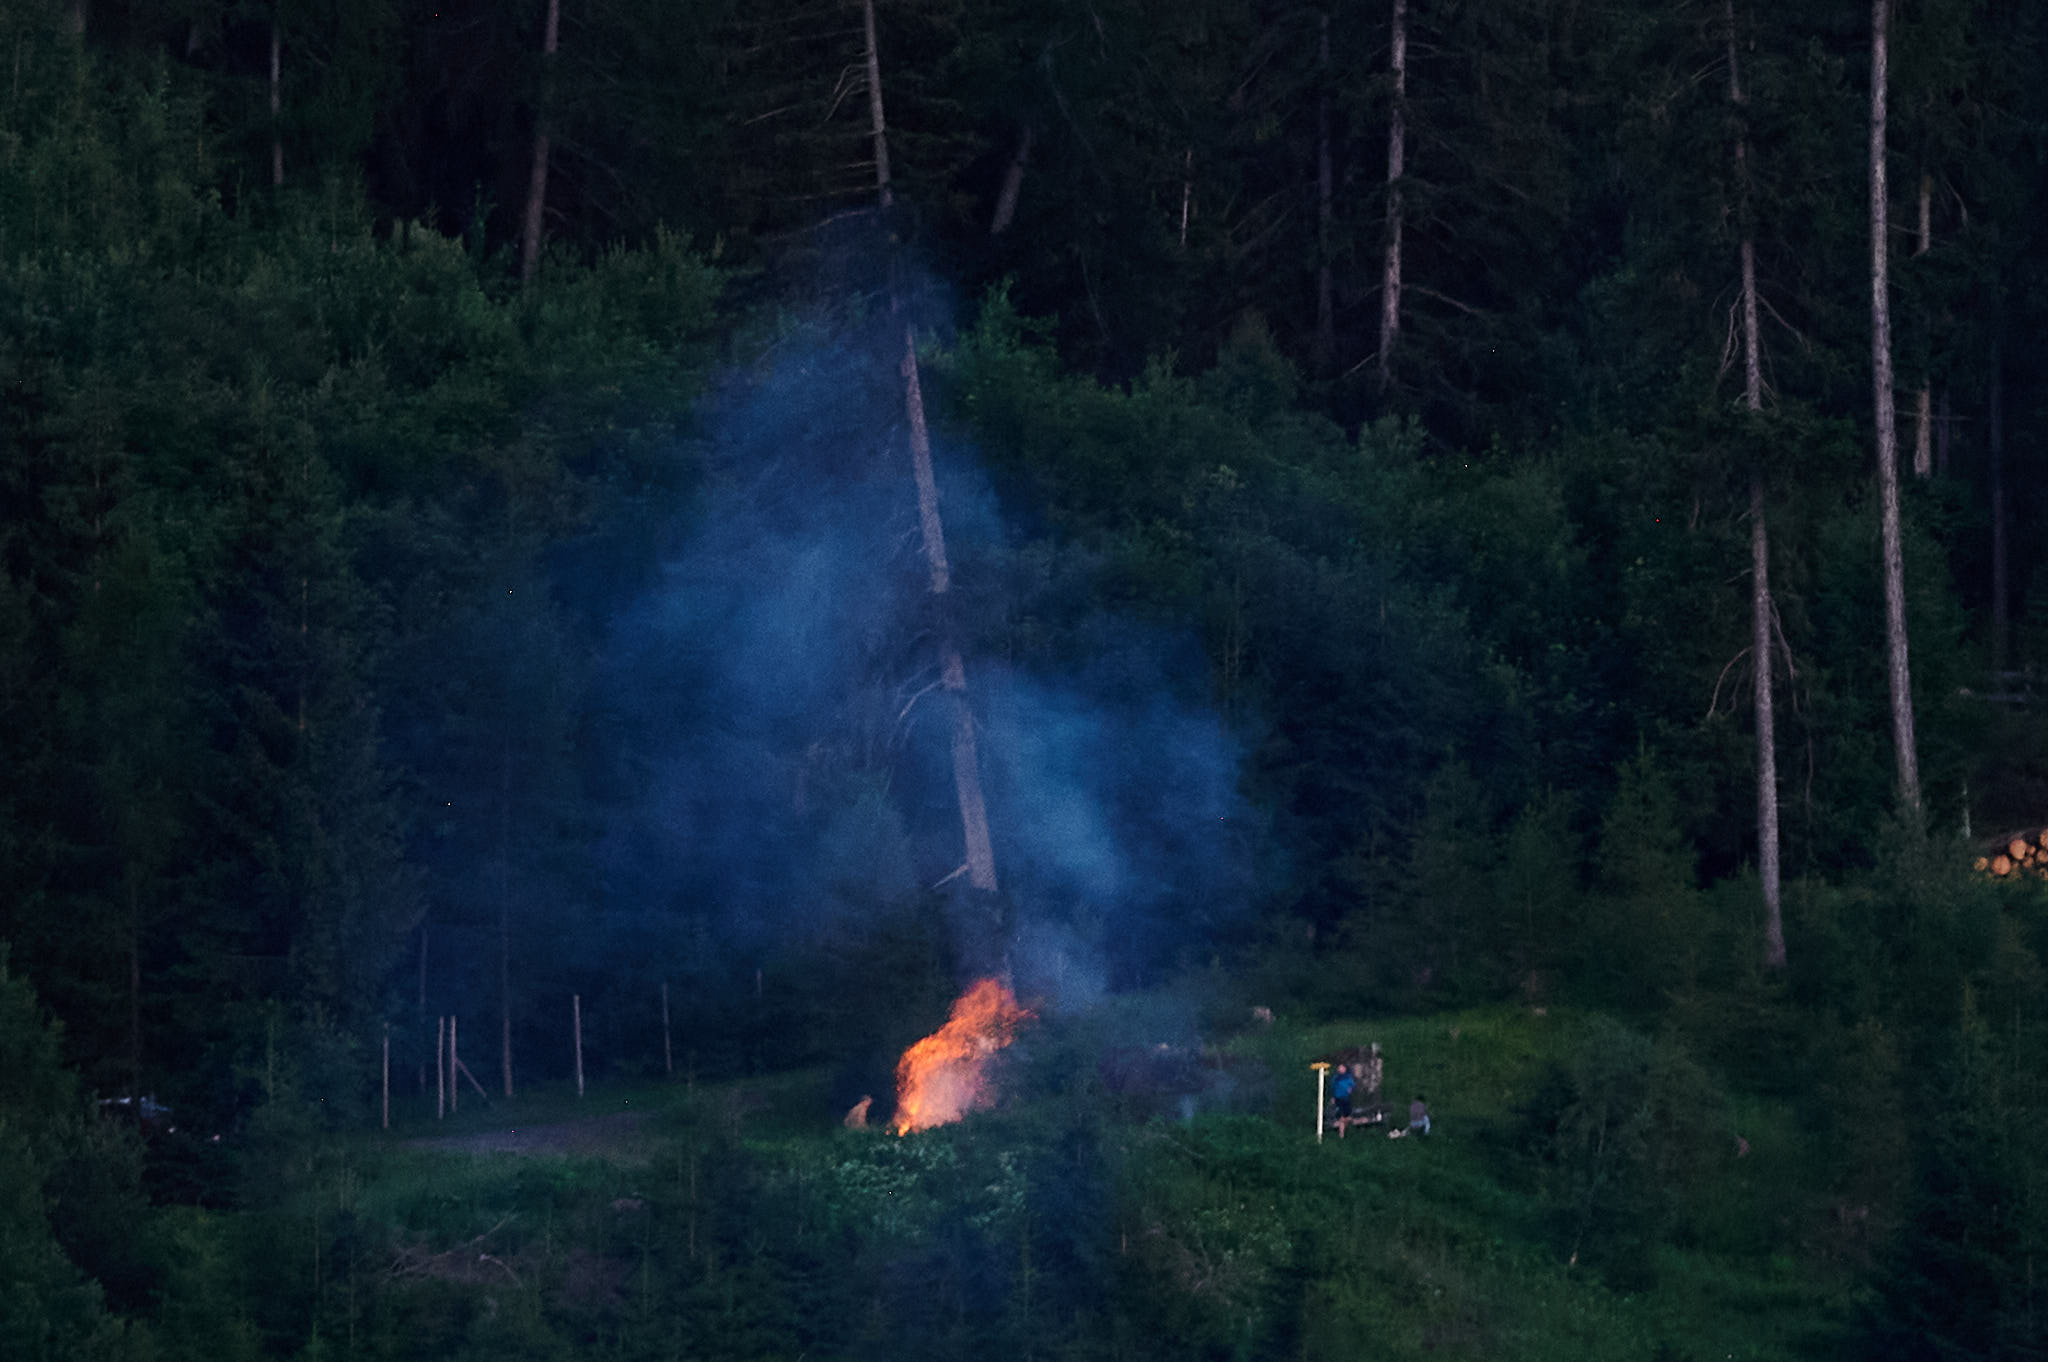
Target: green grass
<point x="412" y="1116"/>
<point x="1447" y="1247"/>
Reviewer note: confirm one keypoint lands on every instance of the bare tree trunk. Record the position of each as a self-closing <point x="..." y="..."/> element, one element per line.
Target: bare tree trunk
<point x="1397" y="147"/>
<point x="537" y="183"/>
<point x="980" y="863"/>
<point x="1760" y="611"/>
<point x="2001" y="598"/>
<point x="1326" y="325"/>
<point x="1013" y="185"/>
<point x="980" y="854"/>
<point x="1897" y="673"/>
<point x="1923" y="400"/>
<point x="80" y="11"/>
<point x="1768" y="872"/>
<point x="877" y="120"/>
<point x="276" y="102"/>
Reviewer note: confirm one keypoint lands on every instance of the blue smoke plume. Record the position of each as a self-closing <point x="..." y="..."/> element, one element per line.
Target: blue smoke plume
<point x="778" y="753"/>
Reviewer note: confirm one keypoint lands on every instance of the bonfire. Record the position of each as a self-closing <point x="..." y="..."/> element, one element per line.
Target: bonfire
<point x="947" y="1074"/>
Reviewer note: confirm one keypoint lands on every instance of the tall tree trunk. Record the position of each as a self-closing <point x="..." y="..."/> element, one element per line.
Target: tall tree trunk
<point x="276" y="102"/>
<point x="1767" y="839"/>
<point x="979" y="863"/>
<point x="1326" y="324"/>
<point x="1397" y="148"/>
<point x="2001" y="598"/>
<point x="878" y="121"/>
<point x="1013" y="185"/>
<point x="537" y="182"/>
<point x="1760" y="612"/>
<point x="1923" y="400"/>
<point x="1897" y="672"/>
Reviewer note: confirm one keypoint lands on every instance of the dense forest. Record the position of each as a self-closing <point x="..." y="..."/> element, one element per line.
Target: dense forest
<point x="726" y="522"/>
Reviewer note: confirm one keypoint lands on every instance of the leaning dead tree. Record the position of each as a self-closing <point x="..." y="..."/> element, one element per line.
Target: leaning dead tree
<point x="979" y="865"/>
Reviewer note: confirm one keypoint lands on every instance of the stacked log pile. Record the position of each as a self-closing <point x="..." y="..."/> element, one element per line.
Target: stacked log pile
<point x="2024" y="854"/>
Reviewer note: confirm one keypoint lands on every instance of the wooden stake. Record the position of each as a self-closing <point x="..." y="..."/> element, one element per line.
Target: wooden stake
<point x="420" y="1009"/>
<point x="668" y="1058"/>
<point x="387" y="1075"/>
<point x="1322" y="1068"/>
<point x="440" y="1067"/>
<point x="576" y="1023"/>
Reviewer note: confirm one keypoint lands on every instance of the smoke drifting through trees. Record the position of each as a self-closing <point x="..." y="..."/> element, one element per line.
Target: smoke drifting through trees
<point x="777" y="738"/>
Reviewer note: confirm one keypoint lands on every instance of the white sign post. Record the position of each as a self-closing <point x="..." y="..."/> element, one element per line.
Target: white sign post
<point x="1322" y="1068"/>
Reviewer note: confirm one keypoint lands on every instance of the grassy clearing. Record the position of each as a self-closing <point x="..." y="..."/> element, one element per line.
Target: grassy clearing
<point x="1454" y="1244"/>
<point x="1232" y="1235"/>
<point x="536" y="1104"/>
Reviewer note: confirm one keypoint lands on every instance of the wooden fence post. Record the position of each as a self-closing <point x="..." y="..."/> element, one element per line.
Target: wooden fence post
<point x="440" y="1068"/>
<point x="668" y="1058"/>
<point x="576" y="1022"/>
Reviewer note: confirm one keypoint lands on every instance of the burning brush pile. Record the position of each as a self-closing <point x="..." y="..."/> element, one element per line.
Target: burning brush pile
<point x="949" y="1073"/>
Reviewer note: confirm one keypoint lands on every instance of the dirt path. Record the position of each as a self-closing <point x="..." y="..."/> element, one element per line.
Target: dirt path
<point x="619" y="1133"/>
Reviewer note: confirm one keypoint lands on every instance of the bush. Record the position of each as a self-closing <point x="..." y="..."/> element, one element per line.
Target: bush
<point x="1624" y="1132"/>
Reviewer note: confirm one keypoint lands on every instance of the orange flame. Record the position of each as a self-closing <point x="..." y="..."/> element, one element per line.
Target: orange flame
<point x="944" y="1076"/>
